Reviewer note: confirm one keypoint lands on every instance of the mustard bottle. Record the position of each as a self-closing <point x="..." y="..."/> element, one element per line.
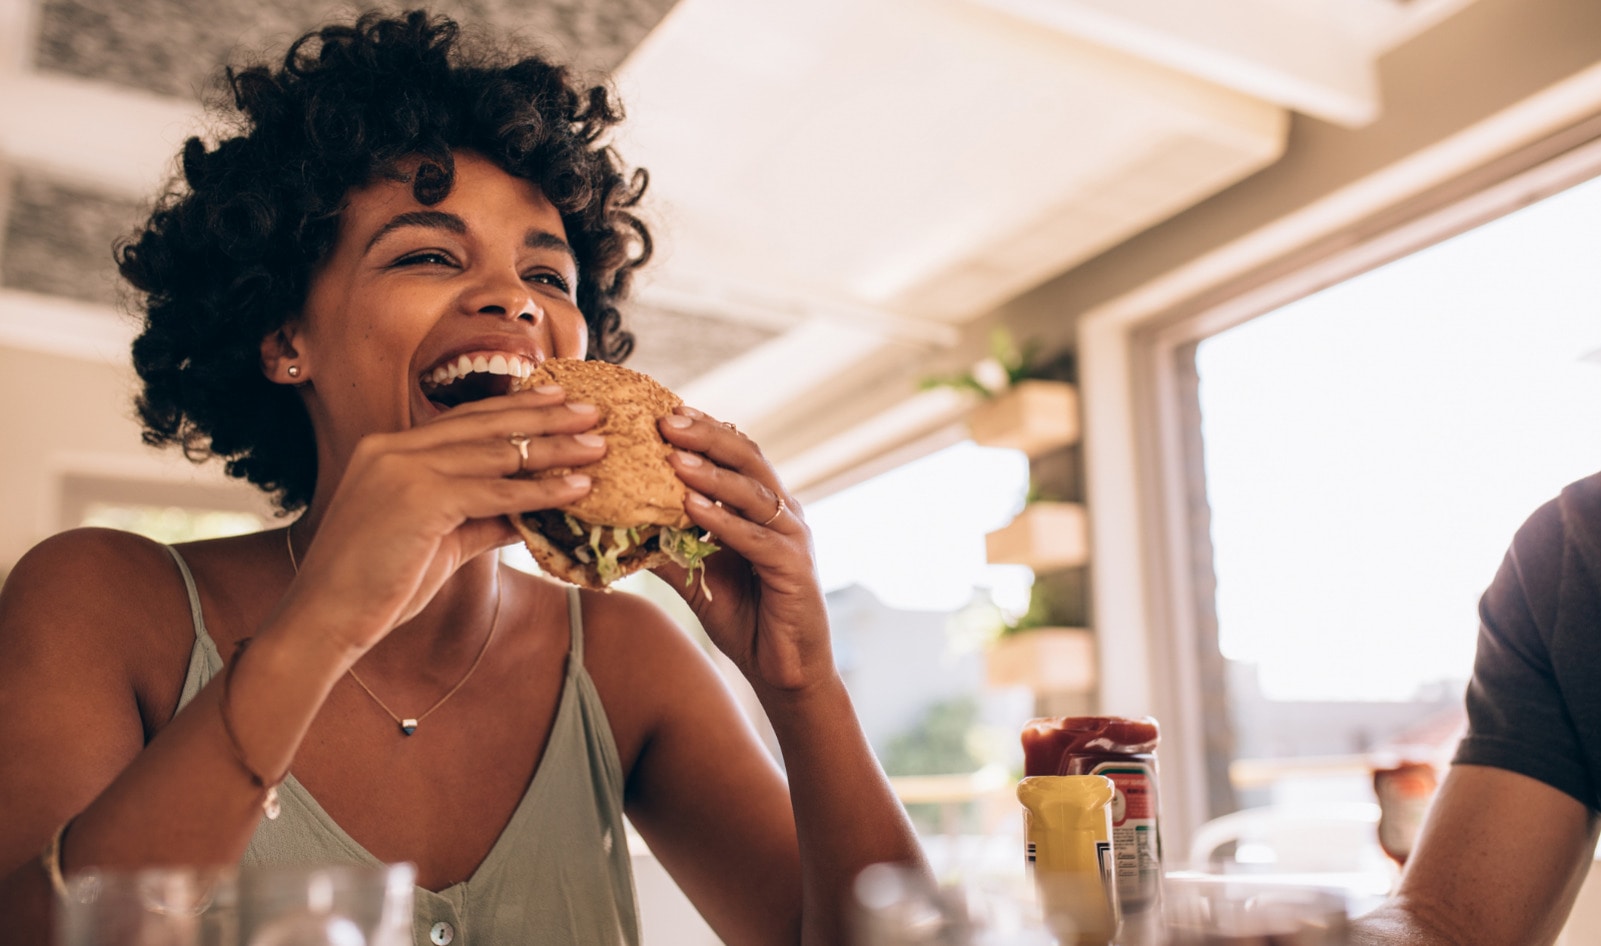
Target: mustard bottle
<point x="1067" y="833"/>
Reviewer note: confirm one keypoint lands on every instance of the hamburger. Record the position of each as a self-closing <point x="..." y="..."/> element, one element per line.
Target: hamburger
<point x="633" y="516"/>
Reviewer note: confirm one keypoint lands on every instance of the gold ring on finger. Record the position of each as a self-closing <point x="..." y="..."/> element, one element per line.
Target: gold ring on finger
<point x="520" y="441"/>
<point x="776" y="512"/>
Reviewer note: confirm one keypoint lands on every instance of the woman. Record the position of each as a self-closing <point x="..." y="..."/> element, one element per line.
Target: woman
<point x="395" y="199"/>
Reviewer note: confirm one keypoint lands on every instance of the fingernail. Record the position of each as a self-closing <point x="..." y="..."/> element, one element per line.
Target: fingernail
<point x="677" y="421"/>
<point x="590" y="440"/>
<point x="696" y="499"/>
<point x="576" y="480"/>
<point x="689" y="459"/>
<point x="548" y="389"/>
<point x="581" y="408"/>
<point x="690" y="412"/>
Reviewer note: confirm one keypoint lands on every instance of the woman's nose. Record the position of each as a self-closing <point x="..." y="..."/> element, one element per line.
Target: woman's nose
<point x="507" y="298"/>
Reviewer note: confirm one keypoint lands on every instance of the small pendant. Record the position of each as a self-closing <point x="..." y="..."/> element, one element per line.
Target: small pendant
<point x="270" y="806"/>
<point x="408" y="726"/>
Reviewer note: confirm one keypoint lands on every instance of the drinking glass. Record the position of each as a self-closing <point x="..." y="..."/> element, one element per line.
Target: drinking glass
<point x="896" y="905"/>
<point x="1224" y="911"/>
<point x="151" y="907"/>
<point x="343" y="905"/>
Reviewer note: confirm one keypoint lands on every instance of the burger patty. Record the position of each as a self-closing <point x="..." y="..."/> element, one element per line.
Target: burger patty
<point x="553" y="525"/>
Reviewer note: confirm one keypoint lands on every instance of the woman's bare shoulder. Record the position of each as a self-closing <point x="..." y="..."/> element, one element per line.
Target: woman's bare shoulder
<point x="81" y="559"/>
<point x="90" y="587"/>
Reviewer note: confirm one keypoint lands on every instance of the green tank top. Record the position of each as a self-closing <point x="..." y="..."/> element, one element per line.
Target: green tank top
<point x="559" y="873"/>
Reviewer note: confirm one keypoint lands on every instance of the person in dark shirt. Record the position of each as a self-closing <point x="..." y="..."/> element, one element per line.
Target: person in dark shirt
<point x="1511" y="833"/>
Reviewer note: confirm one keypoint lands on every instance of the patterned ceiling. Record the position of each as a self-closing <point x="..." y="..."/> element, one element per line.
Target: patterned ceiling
<point x="58" y="234"/>
<point x="173" y="47"/>
<point x="58" y="238"/>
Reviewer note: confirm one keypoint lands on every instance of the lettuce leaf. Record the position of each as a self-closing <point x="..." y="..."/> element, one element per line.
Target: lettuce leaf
<point x="688" y="549"/>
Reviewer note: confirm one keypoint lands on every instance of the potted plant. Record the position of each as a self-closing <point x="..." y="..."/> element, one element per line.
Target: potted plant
<point x="1024" y="402"/>
<point x="1035" y="650"/>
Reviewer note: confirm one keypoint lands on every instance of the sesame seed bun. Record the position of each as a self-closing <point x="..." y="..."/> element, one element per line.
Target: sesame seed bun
<point x="633" y="486"/>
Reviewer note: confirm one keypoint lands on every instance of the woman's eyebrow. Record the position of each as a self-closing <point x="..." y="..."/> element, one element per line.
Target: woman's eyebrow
<point x="432" y="219"/>
<point x="545" y="240"/>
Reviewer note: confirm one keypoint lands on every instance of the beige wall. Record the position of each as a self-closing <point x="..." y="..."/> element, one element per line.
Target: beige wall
<point x="68" y="417"/>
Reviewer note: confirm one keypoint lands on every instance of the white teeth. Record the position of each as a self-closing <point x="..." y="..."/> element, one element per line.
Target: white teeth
<point x="495" y="363"/>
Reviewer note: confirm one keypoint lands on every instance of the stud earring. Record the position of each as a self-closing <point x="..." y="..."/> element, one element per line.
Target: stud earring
<point x="294" y="371"/>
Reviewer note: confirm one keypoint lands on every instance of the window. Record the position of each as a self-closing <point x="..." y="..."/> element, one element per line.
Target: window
<point x="1369" y="451"/>
<point x="170" y="524"/>
<point x="1150" y="442"/>
<point x="164" y="511"/>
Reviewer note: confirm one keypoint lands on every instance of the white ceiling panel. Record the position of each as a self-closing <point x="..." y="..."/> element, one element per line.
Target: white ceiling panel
<point x="930" y="158"/>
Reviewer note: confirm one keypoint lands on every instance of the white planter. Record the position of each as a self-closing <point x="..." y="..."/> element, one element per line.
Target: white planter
<point x="1032" y="416"/>
<point x="1044" y="536"/>
<point x="1044" y="659"/>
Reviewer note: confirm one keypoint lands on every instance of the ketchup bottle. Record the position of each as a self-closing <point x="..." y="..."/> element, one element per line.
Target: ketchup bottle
<point x="1123" y="750"/>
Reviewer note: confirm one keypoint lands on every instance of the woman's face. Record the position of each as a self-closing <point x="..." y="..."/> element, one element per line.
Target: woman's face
<point x="419" y="307"/>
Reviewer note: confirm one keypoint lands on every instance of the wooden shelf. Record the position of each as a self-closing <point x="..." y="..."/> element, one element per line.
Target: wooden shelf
<point x="1032" y="416"/>
<point x="1044" y="536"/>
<point x="1044" y="659"/>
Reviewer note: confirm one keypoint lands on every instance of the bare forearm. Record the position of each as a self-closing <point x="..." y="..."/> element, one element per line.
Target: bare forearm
<point x="846" y="814"/>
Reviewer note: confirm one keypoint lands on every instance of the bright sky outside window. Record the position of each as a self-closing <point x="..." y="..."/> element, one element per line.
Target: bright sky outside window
<point x="915" y="535"/>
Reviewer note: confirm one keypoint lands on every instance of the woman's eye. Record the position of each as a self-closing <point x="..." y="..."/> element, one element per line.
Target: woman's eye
<point x="426" y="258"/>
<point x="553" y="280"/>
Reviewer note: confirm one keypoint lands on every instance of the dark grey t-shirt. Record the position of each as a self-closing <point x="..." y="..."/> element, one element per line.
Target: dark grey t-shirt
<point x="1534" y="703"/>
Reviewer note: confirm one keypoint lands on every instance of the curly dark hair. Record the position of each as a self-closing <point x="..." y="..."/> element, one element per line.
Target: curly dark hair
<point x="226" y="257"/>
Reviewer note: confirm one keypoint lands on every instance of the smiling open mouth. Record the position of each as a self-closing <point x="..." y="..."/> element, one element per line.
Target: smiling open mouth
<point x="472" y="377"/>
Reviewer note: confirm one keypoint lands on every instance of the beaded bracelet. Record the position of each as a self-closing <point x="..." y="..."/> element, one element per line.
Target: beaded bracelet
<point x="51" y="859"/>
<point x="269" y="804"/>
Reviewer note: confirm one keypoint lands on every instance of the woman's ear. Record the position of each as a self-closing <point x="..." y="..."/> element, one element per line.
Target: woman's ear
<point x="282" y="361"/>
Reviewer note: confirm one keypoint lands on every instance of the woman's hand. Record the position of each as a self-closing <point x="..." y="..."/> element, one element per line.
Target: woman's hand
<point x="415" y="505"/>
<point x="765" y="609"/>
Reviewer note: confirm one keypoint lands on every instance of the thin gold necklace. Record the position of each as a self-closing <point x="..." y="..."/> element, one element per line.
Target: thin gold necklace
<point x="409" y="724"/>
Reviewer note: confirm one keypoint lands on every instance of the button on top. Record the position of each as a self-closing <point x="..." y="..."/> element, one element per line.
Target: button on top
<point x="442" y="933"/>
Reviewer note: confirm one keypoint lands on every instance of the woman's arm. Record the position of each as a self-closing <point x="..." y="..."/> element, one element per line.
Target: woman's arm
<point x="714" y="808"/>
<point x="766" y="611"/>
<point x="846" y="814"/>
